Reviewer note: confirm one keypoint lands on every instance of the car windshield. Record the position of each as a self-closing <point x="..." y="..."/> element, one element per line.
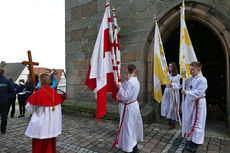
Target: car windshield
<point x="59" y="91"/>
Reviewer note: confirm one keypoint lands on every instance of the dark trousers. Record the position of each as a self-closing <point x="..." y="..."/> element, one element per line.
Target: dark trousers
<point x="173" y="122"/>
<point x="12" y="103"/>
<point x="4" y="109"/>
<point x="21" y="101"/>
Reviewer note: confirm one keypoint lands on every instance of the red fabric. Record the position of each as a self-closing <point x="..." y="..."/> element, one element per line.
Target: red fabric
<point x="106" y="42"/>
<point x="42" y="98"/>
<point x="111" y="85"/>
<point x="91" y="83"/>
<point x="101" y="102"/>
<point x="193" y="128"/>
<point x="44" y="145"/>
<point x="176" y="105"/>
<point x="115" y="68"/>
<point x="107" y="5"/>
<point x="109" y="19"/>
<point x="118" y="134"/>
<point x="101" y="94"/>
<point x="111" y="44"/>
<point x="63" y="96"/>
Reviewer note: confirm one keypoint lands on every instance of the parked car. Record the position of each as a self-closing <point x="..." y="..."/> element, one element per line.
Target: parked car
<point x="62" y="94"/>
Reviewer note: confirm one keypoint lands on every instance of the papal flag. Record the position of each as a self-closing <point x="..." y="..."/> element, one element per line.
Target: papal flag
<point x="187" y="54"/>
<point x="160" y="66"/>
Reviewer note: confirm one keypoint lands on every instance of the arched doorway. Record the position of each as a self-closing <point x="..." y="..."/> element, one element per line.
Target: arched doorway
<point x="200" y="17"/>
<point x="209" y="51"/>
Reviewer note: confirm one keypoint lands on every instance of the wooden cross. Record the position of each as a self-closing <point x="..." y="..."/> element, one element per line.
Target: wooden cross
<point x="31" y="67"/>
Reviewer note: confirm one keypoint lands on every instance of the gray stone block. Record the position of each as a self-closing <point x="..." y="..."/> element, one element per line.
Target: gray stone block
<point x="75" y="3"/>
<point x="78" y="34"/>
<point x="72" y="75"/>
<point x="69" y="63"/>
<point x="76" y="13"/>
<point x="67" y="15"/>
<point x="67" y="4"/>
<point x="73" y="47"/>
<point x="81" y="64"/>
<point x="100" y="5"/>
<point x="89" y="9"/>
<point x="67" y="35"/>
<point x="91" y="33"/>
<point x="84" y="45"/>
<point x="79" y="24"/>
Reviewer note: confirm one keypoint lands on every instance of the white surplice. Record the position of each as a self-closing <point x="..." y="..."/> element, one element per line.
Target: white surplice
<point x="168" y="106"/>
<point x="195" y="88"/>
<point x="132" y="127"/>
<point x="44" y="123"/>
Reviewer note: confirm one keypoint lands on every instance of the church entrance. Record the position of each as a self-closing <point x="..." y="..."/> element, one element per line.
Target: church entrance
<point x="210" y="37"/>
<point x="210" y="53"/>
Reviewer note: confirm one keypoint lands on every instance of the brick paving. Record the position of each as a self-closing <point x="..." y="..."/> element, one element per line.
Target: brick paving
<point x="83" y="135"/>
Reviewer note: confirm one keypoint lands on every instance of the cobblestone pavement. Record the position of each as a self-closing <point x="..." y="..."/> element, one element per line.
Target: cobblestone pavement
<point x="83" y="135"/>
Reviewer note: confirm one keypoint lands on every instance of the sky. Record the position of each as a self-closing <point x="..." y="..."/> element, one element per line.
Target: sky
<point x="36" y="25"/>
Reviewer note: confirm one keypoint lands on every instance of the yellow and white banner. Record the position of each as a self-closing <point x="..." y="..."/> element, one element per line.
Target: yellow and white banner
<point x="187" y="54"/>
<point x="160" y="66"/>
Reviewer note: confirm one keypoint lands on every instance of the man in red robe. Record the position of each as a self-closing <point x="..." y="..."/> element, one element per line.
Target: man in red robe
<point x="46" y="121"/>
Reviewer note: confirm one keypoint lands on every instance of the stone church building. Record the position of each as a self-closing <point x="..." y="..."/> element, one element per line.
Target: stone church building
<point x="208" y="23"/>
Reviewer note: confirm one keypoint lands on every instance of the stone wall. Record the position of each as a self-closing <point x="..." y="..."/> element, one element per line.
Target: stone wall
<point x="135" y="17"/>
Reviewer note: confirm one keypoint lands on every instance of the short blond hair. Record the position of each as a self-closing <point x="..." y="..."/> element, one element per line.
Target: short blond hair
<point x="45" y="79"/>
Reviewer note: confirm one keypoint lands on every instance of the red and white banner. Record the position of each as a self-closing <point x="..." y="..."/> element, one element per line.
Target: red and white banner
<point x="117" y="63"/>
<point x="100" y="76"/>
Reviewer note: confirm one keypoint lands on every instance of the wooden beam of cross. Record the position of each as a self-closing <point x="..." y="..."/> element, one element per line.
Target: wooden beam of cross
<point x="31" y="67"/>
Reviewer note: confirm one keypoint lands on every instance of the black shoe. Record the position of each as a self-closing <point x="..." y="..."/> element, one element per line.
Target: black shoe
<point x="194" y="147"/>
<point x="170" y="122"/>
<point x="3" y="132"/>
<point x="189" y="146"/>
<point x="21" y="116"/>
<point x="12" y="116"/>
<point x="135" y="149"/>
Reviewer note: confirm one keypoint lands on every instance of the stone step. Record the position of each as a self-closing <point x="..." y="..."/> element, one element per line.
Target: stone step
<point x="88" y="109"/>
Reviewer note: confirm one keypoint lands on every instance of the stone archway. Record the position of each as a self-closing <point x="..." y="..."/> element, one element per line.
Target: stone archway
<point x="210" y="18"/>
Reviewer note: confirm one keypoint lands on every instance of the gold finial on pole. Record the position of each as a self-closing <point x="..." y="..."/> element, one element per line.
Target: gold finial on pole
<point x="114" y="11"/>
<point x="155" y="18"/>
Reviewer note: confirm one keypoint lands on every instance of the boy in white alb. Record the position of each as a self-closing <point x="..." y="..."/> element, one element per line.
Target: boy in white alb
<point x="195" y="107"/>
<point x="131" y="126"/>
<point x="46" y="121"/>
